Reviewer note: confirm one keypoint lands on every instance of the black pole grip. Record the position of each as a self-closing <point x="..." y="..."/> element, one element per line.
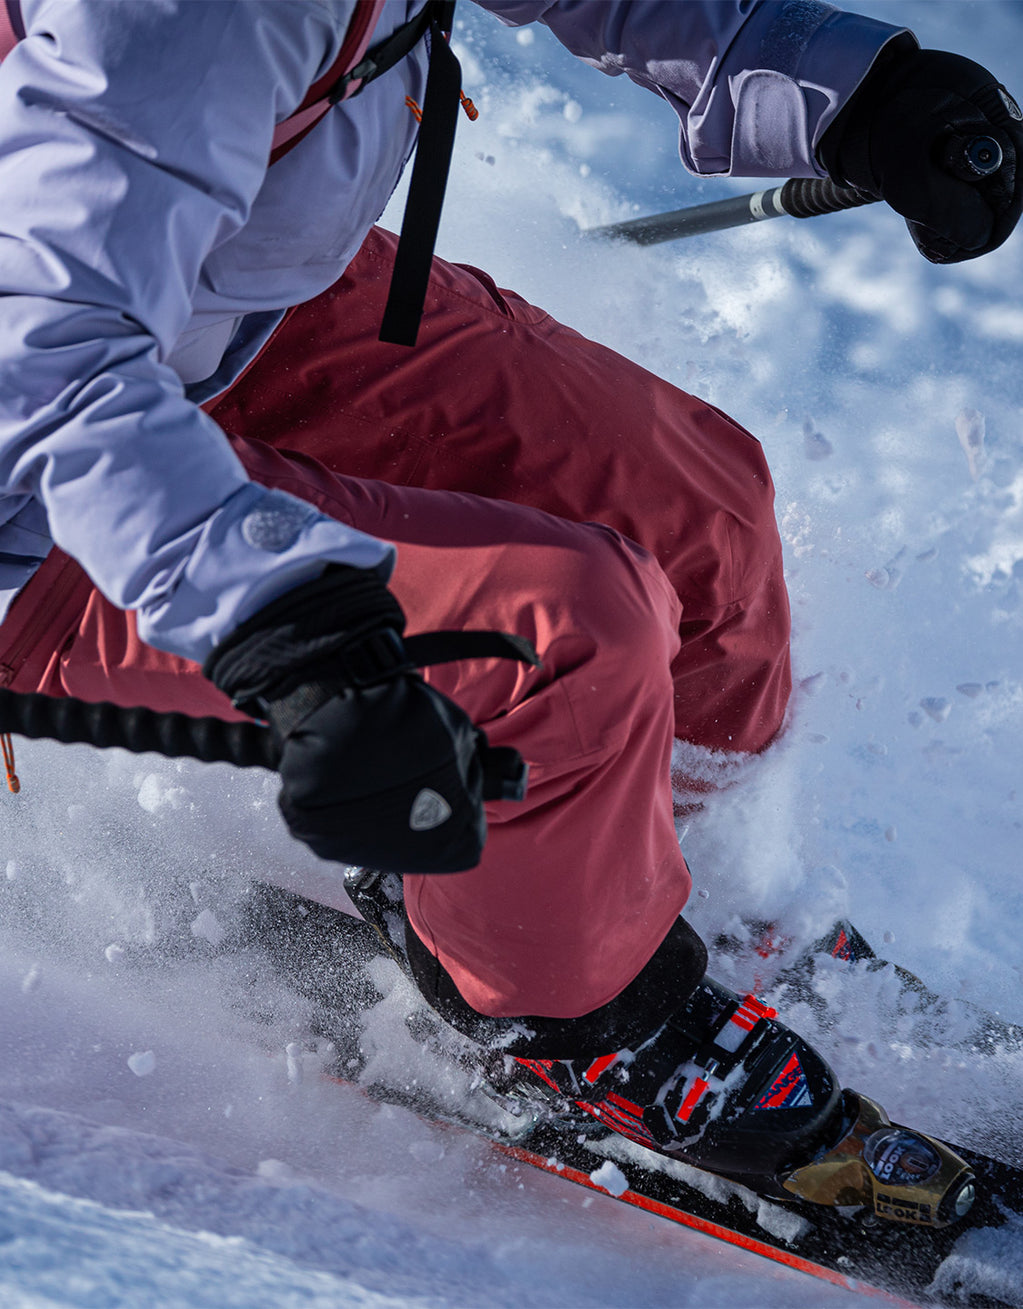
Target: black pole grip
<point x="809" y="197"/>
<point x="81" y="722"/>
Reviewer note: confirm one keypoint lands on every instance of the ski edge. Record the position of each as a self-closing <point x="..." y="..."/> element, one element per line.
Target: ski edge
<point x="705" y="1226"/>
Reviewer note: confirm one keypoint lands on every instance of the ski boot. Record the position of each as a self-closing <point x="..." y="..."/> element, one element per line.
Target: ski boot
<point x="727" y="1088"/>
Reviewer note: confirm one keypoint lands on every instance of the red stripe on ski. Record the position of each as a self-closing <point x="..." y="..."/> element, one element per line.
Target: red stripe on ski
<point x="662" y="1210"/>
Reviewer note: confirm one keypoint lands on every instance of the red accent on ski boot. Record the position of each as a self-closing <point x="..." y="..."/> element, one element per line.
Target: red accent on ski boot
<point x="722" y="1085"/>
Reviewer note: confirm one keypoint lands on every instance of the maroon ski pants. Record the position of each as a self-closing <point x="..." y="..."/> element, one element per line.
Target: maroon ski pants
<point x="537" y="483"/>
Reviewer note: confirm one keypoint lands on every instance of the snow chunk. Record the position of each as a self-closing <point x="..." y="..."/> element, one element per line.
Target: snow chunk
<point x="276" y="1170"/>
<point x="142" y="1063"/>
<point x="816" y="445"/>
<point x="970" y="430"/>
<point x="936" y="707"/>
<point x="30" y="982"/>
<point x="293" y="1057"/>
<point x="779" y="1221"/>
<point x="427" y="1151"/>
<point x="986" y="1262"/>
<point x="609" y="1177"/>
<point x="208" y="927"/>
<point x="155" y="794"/>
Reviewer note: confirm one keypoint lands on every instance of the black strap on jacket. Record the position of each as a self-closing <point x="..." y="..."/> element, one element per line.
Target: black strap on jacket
<point x="407" y="295"/>
<point x="382" y="57"/>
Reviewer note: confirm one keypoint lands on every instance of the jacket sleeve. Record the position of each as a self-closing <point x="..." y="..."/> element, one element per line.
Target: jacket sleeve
<point x="755" y="83"/>
<point x="134" y="138"/>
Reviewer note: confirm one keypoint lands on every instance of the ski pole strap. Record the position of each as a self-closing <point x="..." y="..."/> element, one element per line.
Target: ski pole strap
<point x="377" y="657"/>
<point x="428" y="648"/>
<point x="414" y="256"/>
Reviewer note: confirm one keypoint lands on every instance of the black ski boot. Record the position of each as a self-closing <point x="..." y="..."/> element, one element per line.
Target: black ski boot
<point x="721" y="1085"/>
<point x="726" y="1087"/>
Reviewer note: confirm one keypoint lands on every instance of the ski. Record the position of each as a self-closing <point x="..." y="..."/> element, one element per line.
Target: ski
<point x="978" y="1262"/>
<point x="975" y="1261"/>
<point x="895" y="1262"/>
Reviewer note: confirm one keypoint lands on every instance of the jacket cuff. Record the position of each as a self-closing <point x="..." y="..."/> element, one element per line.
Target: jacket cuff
<point x="784" y="94"/>
<point x="260" y="544"/>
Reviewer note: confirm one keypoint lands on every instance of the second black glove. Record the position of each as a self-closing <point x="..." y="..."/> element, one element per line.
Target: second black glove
<point x="939" y="139"/>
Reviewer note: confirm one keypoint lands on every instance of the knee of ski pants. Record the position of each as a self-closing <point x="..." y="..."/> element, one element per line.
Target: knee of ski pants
<point x="598" y="607"/>
<point x="578" y="883"/>
<point x="604" y="619"/>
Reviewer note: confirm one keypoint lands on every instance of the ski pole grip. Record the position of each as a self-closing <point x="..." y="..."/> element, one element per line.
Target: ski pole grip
<point x="80" y="722"/>
<point x="809" y="197"/>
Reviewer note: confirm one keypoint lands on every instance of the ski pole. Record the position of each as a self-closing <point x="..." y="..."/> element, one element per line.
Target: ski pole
<point x="969" y="158"/>
<point x="246" y="744"/>
<point x="800" y="197"/>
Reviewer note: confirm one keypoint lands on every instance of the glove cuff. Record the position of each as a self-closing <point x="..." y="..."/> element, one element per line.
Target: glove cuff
<point x="844" y="149"/>
<point x="343" y="627"/>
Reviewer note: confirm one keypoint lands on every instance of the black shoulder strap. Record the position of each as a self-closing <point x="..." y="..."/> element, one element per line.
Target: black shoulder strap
<point x="411" y="275"/>
<point x="385" y="54"/>
<point x="407" y="295"/>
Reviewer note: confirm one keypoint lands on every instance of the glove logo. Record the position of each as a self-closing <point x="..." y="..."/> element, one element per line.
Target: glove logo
<point x="429" y="810"/>
<point x="1013" y="108"/>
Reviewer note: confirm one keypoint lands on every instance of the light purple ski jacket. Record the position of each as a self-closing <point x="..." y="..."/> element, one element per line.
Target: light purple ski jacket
<point x="147" y="250"/>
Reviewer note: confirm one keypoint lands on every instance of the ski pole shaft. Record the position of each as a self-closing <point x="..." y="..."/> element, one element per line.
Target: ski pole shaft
<point x="799" y="197"/>
<point x="970" y="158"/>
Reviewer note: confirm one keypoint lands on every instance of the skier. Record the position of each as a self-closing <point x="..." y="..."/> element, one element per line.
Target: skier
<point x="223" y="494"/>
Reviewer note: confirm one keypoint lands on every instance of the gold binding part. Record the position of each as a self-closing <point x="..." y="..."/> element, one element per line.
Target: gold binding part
<point x="903" y="1176"/>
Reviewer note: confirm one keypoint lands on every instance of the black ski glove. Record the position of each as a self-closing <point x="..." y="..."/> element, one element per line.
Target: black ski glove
<point x="917" y="135"/>
<point x="377" y="769"/>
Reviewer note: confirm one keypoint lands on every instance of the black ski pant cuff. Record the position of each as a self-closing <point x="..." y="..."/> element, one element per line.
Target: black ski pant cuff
<point x="635" y="1014"/>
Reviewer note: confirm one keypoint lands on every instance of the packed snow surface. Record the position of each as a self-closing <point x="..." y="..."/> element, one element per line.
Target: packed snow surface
<point x="164" y="1137"/>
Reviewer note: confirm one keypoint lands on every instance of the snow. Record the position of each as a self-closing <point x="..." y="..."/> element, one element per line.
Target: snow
<point x="164" y="1137"/>
<point x="610" y="1178"/>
